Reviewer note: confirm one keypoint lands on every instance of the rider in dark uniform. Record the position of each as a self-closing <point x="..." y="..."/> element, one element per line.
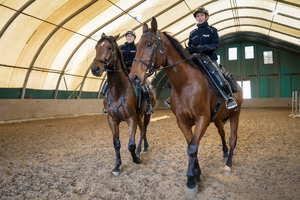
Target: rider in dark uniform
<point x="129" y="50"/>
<point x="205" y="39"/>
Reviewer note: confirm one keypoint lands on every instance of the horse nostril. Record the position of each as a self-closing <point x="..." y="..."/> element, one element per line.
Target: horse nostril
<point x="98" y="70"/>
<point x="136" y="79"/>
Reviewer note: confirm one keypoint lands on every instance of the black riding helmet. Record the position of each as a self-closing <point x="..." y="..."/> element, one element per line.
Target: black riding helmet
<point x="130" y="32"/>
<point x="201" y="9"/>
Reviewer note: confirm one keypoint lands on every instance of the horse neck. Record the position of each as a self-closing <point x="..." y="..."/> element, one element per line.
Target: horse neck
<point x="117" y="80"/>
<point x="181" y="74"/>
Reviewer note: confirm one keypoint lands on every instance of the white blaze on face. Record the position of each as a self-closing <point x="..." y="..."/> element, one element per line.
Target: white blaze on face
<point x="102" y="44"/>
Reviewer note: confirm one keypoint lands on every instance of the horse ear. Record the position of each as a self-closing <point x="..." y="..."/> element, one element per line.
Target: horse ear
<point x="116" y="37"/>
<point x="153" y="25"/>
<point x="103" y="35"/>
<point x="145" y="28"/>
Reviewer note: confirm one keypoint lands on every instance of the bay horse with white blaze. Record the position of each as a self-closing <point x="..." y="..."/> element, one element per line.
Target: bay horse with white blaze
<point x="120" y="100"/>
<point x="193" y="98"/>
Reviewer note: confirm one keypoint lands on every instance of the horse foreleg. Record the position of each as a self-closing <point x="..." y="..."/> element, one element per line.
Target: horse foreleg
<point x="117" y="144"/>
<point x="221" y="132"/>
<point x="131" y="145"/>
<point x="234" y="123"/>
<point x="194" y="170"/>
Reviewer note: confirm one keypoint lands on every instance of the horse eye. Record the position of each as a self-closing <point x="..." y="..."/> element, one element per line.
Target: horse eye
<point x="149" y="44"/>
<point x="109" y="48"/>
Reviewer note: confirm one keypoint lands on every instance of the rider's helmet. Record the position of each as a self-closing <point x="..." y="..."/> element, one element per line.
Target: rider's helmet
<point x="201" y="9"/>
<point x="130" y="32"/>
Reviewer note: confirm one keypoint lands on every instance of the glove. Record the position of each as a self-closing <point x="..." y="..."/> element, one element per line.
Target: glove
<point x="199" y="49"/>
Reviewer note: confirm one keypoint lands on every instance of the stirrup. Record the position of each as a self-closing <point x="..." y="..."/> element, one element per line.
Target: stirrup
<point x="231" y="104"/>
<point x="104" y="112"/>
<point x="149" y="110"/>
<point x="167" y="102"/>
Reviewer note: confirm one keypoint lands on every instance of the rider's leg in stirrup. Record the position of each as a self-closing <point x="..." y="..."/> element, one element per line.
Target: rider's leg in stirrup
<point x="103" y="91"/>
<point x="146" y="96"/>
<point x="220" y="81"/>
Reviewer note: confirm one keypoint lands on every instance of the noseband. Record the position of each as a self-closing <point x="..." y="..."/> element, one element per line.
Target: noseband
<point x="106" y="63"/>
<point x="158" y="43"/>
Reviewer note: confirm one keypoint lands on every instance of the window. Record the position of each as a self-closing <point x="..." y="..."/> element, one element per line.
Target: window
<point x="232" y="53"/>
<point x="246" y="87"/>
<point x="249" y="52"/>
<point x="268" y="57"/>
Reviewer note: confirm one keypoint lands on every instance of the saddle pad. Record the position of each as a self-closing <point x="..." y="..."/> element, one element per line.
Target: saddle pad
<point x="136" y="91"/>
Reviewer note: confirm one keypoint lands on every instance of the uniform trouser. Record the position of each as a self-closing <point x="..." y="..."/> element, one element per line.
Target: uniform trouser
<point x="147" y="97"/>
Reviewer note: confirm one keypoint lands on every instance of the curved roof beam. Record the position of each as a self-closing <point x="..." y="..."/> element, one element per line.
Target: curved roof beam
<point x="18" y="12"/>
<point x="45" y="42"/>
<point x="82" y="42"/>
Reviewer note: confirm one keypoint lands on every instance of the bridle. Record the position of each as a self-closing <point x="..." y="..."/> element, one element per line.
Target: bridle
<point x="153" y="56"/>
<point x="106" y="63"/>
<point x="158" y="43"/>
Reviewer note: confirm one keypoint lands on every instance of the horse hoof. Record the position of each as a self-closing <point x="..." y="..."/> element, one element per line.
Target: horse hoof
<point x="145" y="151"/>
<point x="116" y="173"/>
<point x="138" y="161"/>
<point x="193" y="190"/>
<point x="227" y="170"/>
<point x="225" y="159"/>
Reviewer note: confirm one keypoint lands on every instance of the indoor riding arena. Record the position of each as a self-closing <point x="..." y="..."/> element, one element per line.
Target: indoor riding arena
<point x="57" y="141"/>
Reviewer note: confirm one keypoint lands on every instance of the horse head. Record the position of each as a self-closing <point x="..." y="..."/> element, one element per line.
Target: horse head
<point x="105" y="55"/>
<point x="147" y="57"/>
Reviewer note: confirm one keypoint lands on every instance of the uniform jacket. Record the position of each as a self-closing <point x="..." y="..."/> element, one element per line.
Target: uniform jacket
<point x="128" y="51"/>
<point x="208" y="37"/>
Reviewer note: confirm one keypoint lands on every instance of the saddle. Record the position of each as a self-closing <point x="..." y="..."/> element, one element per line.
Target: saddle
<point x="230" y="78"/>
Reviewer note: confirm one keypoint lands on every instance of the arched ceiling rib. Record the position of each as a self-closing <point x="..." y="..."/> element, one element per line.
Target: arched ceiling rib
<point x="43" y="42"/>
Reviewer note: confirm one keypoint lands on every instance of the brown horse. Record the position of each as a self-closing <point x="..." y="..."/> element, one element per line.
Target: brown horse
<point x="193" y="98"/>
<point x="120" y="101"/>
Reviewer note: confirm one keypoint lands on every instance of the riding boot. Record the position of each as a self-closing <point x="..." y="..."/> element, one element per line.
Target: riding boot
<point x="220" y="82"/>
<point x="146" y="96"/>
<point x="103" y="91"/>
<point x="104" y="88"/>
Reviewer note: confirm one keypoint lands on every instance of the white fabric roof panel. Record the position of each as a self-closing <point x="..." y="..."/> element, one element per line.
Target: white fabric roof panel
<point x="52" y="37"/>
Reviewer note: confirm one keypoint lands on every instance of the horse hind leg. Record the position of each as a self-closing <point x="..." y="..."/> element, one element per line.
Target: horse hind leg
<point x="234" y="122"/>
<point x="142" y="134"/>
<point x="143" y="127"/>
<point x="221" y="132"/>
<point x="146" y="122"/>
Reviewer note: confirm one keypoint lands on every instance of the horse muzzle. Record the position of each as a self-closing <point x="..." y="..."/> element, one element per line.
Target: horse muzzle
<point x="96" y="71"/>
<point x="136" y="80"/>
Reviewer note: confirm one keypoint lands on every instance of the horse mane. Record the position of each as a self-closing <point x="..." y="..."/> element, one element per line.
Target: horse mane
<point x="110" y="39"/>
<point x="193" y="62"/>
<point x="182" y="52"/>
